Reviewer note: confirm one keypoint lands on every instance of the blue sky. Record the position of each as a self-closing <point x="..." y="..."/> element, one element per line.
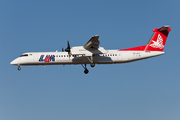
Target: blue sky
<point x="142" y="90"/>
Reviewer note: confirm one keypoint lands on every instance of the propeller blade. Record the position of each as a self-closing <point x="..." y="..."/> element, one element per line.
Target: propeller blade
<point x="62" y="49"/>
<point x="68" y="49"/>
<point x="68" y="44"/>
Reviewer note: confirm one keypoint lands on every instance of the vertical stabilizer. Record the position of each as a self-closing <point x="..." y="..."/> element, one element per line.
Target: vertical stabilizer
<point x="158" y="40"/>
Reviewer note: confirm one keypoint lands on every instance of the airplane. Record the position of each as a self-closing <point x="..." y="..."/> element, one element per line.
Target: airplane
<point x="91" y="53"/>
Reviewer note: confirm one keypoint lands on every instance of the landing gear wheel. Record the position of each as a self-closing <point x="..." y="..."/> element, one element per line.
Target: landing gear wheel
<point x="86" y="71"/>
<point x="92" y="65"/>
<point x="19" y="68"/>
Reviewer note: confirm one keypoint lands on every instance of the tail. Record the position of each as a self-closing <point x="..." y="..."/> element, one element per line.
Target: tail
<point x="157" y="41"/>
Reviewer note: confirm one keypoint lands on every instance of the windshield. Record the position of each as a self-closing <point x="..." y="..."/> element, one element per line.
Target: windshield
<point x="24" y="55"/>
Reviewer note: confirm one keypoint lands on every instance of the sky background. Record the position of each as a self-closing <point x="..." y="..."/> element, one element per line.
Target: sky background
<point x="142" y="90"/>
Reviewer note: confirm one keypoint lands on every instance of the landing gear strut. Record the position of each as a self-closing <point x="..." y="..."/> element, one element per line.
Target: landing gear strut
<point x="91" y="61"/>
<point x="86" y="70"/>
<point x="19" y="68"/>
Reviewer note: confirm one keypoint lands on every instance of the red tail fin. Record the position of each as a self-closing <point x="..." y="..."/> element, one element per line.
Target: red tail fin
<point x="158" y="40"/>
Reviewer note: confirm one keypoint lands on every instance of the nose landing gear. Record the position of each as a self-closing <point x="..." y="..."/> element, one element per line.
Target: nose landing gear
<point x="19" y="68"/>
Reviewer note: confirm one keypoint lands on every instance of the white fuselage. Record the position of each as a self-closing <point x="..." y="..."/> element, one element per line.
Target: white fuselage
<point x="91" y="53"/>
<point x="62" y="58"/>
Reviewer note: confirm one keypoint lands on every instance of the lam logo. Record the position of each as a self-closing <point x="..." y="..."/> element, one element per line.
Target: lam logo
<point x="158" y="43"/>
<point x="48" y="58"/>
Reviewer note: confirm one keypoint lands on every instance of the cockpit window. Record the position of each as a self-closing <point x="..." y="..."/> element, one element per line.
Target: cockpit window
<point x="24" y="55"/>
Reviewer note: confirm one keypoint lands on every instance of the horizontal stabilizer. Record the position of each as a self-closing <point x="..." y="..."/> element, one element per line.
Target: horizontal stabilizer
<point x="164" y="28"/>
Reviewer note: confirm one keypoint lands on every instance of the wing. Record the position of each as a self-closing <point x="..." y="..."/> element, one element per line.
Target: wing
<point x="92" y="43"/>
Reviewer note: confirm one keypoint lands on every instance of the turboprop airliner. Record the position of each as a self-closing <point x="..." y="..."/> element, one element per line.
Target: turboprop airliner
<point x="91" y="53"/>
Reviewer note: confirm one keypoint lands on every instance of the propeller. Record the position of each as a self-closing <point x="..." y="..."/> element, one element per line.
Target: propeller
<point x="68" y="49"/>
<point x="62" y="49"/>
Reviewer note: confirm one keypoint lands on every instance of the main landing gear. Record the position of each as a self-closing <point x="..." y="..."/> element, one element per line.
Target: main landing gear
<point x="92" y="64"/>
<point x="19" y="68"/>
<point x="90" y="58"/>
<point x="86" y="70"/>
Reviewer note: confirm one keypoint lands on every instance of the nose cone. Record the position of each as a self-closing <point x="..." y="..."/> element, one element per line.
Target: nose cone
<point x="15" y="62"/>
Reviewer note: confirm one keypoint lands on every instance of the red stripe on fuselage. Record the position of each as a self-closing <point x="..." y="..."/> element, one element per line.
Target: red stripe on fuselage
<point x="140" y="48"/>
